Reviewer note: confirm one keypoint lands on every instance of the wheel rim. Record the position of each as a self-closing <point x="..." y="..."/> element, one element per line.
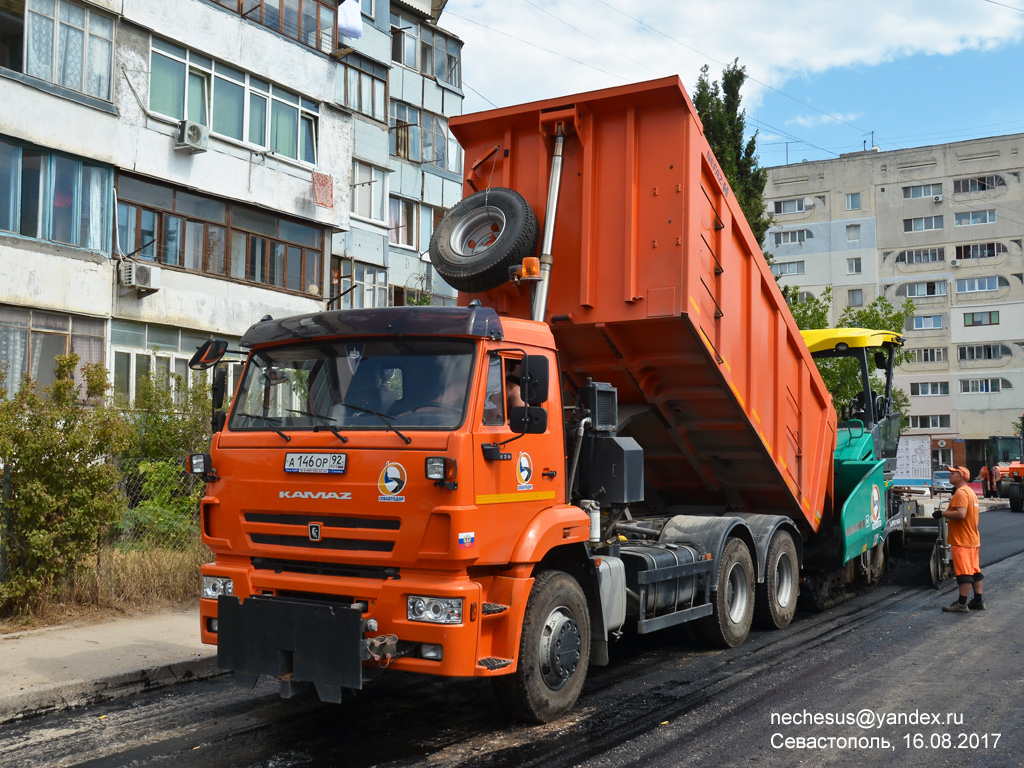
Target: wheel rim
<point x="783" y="581"/>
<point x="477" y="231"/>
<point x="560" y="648"/>
<point x="736" y="594"/>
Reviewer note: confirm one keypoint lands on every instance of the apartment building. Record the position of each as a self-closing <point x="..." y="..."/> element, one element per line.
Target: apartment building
<point x="943" y="226"/>
<point x="175" y="170"/>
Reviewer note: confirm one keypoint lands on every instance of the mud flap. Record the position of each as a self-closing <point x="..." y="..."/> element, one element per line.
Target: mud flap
<point x="304" y="641"/>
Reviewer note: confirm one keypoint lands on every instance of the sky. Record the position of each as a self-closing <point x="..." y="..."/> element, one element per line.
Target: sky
<point x="825" y="77"/>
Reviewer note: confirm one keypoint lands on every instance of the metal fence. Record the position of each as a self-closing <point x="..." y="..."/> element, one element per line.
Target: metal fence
<point x="161" y="506"/>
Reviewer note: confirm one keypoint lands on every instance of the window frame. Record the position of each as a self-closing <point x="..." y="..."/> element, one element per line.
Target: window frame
<point x="927" y="224"/>
<point x="853" y="201"/>
<point x="378" y="195"/>
<point x="921" y="326"/>
<point x="975" y="319"/>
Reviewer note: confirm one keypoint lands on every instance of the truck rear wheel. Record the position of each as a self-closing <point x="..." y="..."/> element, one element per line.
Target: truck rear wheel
<point x="776" y="597"/>
<point x="733" y="601"/>
<point x="554" y="651"/>
<point x="1016" y="497"/>
<point x="481" y="237"/>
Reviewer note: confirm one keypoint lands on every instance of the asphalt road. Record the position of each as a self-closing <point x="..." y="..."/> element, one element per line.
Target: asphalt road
<point x="783" y="698"/>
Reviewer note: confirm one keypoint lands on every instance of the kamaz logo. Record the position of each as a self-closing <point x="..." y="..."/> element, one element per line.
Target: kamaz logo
<point x="314" y="495"/>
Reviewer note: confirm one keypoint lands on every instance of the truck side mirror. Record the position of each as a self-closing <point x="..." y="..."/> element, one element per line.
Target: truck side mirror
<point x="527" y="420"/>
<point x="208" y="355"/>
<point x="533" y="379"/>
<point x="881" y="361"/>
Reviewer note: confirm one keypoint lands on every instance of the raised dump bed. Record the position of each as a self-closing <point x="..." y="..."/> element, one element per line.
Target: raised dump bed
<point x="659" y="287"/>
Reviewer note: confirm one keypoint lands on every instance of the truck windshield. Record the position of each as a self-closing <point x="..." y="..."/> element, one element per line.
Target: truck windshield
<point x="356" y="384"/>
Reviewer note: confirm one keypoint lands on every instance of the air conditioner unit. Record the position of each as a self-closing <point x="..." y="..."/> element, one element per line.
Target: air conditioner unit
<point x="145" y="277"/>
<point x="192" y="136"/>
<point x="954" y="262"/>
<point x="937" y="199"/>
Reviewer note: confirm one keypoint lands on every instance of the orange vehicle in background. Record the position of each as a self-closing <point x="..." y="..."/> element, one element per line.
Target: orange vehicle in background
<point x="620" y="429"/>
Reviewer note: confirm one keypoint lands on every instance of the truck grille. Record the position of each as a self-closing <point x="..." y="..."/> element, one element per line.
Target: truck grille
<point x="293" y="530"/>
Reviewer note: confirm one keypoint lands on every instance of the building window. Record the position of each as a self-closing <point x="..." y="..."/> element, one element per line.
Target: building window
<point x="47" y="196"/>
<point x="923" y="290"/>
<point x="941" y="458"/>
<point x="853" y="201"/>
<point x="141" y="350"/>
<point x="31" y="340"/>
<point x="929" y="355"/>
<point x="936" y="421"/>
<point x="369" y="191"/>
<point x="359" y="285"/>
<point x="187" y="85"/>
<point x="922" y="224"/>
<point x="852" y="232"/>
<point x="921" y="256"/>
<point x="364" y="85"/>
<point x="203" y="234"/>
<point x="310" y="22"/>
<point x="423" y="47"/>
<point x="853" y="266"/>
<point x="367" y="8"/>
<point x="978" y="183"/>
<point x="402" y="223"/>
<point x="983" y="386"/>
<point x="61" y="42"/>
<point x="981" y="318"/>
<point x="927" y="322"/>
<point x="922" y="190"/>
<point x="440" y="148"/>
<point x="792" y="236"/>
<point x="980" y="250"/>
<point x="982" y="352"/>
<point x="795" y="205"/>
<point x="970" y="218"/>
<point x="977" y="284"/>
<point x="788" y="268"/>
<point x="855" y="297"/>
<point x="404" y="136"/>
<point x="929" y="388"/>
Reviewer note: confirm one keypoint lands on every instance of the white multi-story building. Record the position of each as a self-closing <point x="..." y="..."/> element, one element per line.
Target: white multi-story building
<point x="175" y="170"/>
<point x="942" y="225"/>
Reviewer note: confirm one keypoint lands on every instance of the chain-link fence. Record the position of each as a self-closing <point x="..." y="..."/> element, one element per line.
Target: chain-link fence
<point x="161" y="505"/>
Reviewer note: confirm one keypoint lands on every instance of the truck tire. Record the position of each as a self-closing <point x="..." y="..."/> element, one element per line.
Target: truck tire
<point x="733" y="601"/>
<point x="481" y="237"/>
<point x="554" y="651"/>
<point x="776" y="597"/>
<point x="1016" y="497"/>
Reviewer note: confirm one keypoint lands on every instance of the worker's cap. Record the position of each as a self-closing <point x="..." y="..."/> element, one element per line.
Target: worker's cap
<point x="962" y="470"/>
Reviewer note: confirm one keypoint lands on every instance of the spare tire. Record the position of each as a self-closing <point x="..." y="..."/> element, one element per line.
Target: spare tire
<point x="481" y="237"/>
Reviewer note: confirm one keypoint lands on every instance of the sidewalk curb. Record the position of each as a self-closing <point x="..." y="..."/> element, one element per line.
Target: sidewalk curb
<point x="76" y="693"/>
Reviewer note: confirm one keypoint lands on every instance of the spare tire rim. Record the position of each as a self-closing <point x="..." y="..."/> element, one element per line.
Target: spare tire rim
<point x="783" y="580"/>
<point x="736" y="595"/>
<point x="477" y="231"/>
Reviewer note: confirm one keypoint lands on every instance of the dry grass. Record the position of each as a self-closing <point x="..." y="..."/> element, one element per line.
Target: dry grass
<point x="119" y="583"/>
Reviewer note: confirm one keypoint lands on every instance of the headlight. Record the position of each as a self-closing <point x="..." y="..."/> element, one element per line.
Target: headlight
<point x="199" y="463"/>
<point x="215" y="586"/>
<point x="436" y="610"/>
<point x="440" y="468"/>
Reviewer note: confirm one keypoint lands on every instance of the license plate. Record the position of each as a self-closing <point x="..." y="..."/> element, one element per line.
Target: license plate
<point x="317" y="463"/>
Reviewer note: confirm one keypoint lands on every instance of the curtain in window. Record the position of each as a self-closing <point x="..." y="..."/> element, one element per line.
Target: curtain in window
<point x="65" y="183"/>
<point x="94" y="207"/>
<point x="284" y="129"/>
<point x="197" y="99"/>
<point x="8" y="185"/>
<point x="228" y="108"/>
<point x="71" y="51"/>
<point x="101" y="34"/>
<point x="34" y="168"/>
<point x="167" y="86"/>
<point x="45" y="349"/>
<point x="39" y="60"/>
<point x="13" y="356"/>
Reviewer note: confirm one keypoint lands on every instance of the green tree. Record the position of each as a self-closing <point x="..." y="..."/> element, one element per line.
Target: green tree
<point x="725" y="126"/>
<point x="64" y="486"/>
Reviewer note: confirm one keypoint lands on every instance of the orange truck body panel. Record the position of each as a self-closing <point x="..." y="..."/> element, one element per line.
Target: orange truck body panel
<point x="659" y="288"/>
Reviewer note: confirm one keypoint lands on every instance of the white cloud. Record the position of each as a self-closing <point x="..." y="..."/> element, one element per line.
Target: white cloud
<point x="810" y="121"/>
<point x="524" y="50"/>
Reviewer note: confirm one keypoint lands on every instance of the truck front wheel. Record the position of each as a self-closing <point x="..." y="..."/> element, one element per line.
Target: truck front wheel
<point x="776" y="597"/>
<point x="1016" y="497"/>
<point x="733" y="601"/>
<point x="554" y="651"/>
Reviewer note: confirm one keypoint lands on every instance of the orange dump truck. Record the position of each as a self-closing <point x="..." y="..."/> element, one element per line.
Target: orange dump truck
<point x="620" y="429"/>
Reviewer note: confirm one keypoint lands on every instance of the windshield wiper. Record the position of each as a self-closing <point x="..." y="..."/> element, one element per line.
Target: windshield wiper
<point x="325" y="421"/>
<point x="383" y="419"/>
<point x="269" y="420"/>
